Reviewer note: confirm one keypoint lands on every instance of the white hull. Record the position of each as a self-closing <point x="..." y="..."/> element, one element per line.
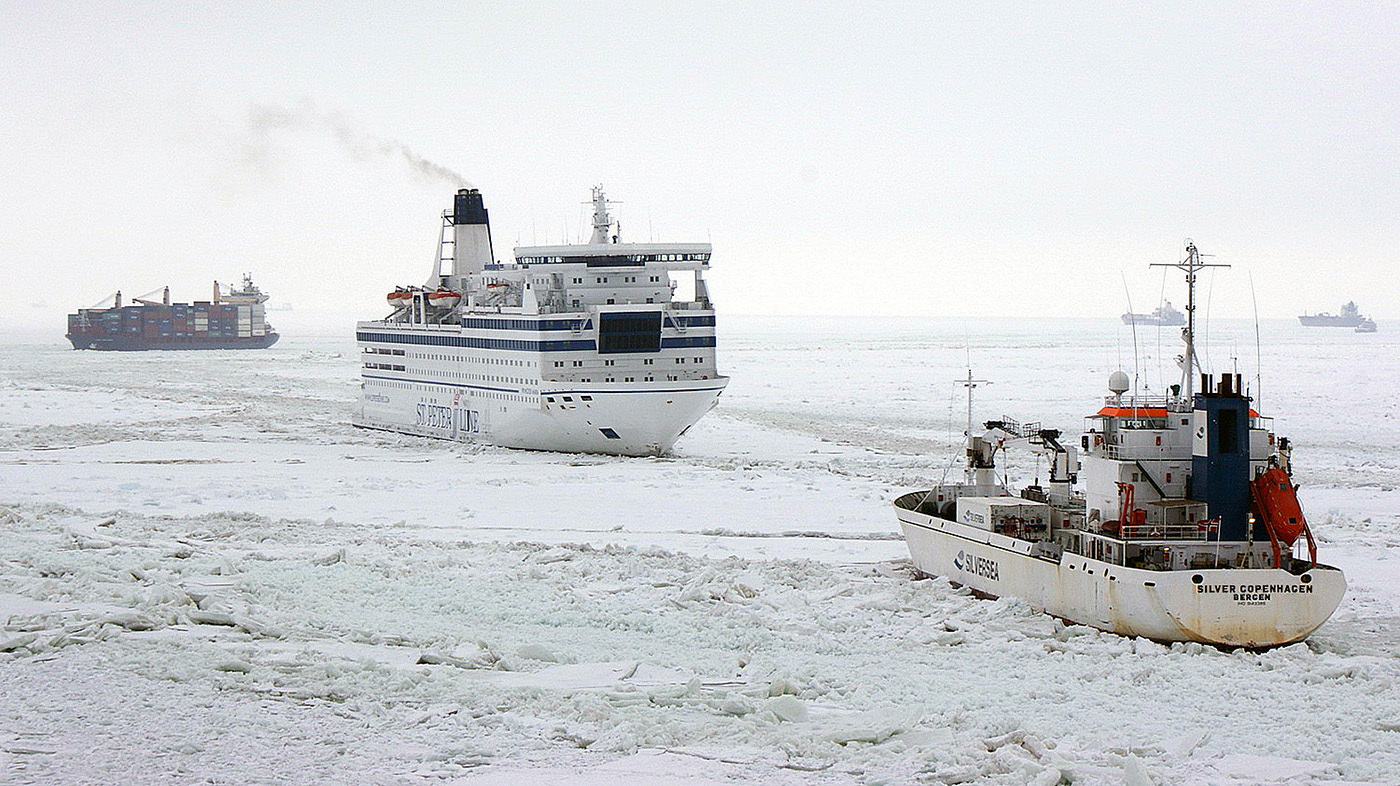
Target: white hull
<point x="646" y="421"/>
<point x="573" y="348"/>
<point x="1229" y="607"/>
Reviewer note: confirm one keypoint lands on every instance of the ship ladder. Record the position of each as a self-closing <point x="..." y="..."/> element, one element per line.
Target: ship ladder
<point x="447" y="237"/>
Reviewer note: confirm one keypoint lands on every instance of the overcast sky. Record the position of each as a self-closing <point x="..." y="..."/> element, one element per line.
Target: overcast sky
<point x="869" y="158"/>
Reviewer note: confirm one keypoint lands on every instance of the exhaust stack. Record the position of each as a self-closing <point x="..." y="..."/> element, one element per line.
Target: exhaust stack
<point x="471" y="234"/>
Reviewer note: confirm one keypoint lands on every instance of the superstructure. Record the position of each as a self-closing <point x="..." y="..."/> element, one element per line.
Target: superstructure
<point x="580" y="347"/>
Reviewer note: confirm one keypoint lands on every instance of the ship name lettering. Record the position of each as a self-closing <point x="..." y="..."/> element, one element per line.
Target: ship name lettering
<point x="434" y="416"/>
<point x="1264" y="592"/>
<point x="1254" y="591"/>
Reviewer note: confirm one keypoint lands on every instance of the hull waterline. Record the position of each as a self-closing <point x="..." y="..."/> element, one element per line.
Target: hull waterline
<point x="1229" y="607"/>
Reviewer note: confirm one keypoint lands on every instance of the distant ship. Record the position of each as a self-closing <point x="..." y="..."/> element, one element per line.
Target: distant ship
<point x="1162" y="315"/>
<point x="1184" y="529"/>
<point x="1350" y="317"/>
<point x="1366" y="326"/>
<point x="231" y="320"/>
<point x="576" y="348"/>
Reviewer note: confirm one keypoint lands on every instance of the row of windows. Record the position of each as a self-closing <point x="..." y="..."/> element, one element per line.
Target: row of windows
<point x="648" y="378"/>
<point x="606" y="363"/>
<point x="613" y="301"/>
<point x="519" y="345"/>
<point x="438" y="388"/>
<point x="469" y="359"/>
<point x="493" y="323"/>
<point x="613" y="259"/>
<point x="462" y="375"/>
<point x="625" y="280"/>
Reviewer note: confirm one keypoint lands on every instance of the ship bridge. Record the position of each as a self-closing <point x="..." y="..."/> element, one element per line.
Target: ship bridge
<point x="676" y="256"/>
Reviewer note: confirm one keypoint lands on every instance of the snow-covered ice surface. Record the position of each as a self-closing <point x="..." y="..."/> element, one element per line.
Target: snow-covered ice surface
<point x="208" y="576"/>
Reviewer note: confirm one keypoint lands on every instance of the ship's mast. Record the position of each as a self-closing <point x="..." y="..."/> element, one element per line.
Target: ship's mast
<point x="1191" y="264"/>
<point x="970" y="384"/>
<point x="602" y="222"/>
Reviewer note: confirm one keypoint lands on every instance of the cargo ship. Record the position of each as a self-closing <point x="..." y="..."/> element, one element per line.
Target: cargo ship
<point x="1350" y="317"/>
<point x="232" y="319"/>
<point x="1187" y="526"/>
<point x="581" y="348"/>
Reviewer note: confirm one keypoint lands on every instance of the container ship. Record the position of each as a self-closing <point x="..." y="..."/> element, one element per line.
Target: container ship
<point x="578" y="348"/>
<point x="233" y="319"/>
<point x="1187" y="526"/>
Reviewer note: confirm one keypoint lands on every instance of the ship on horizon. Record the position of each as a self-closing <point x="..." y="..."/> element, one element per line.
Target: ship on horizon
<point x="235" y="319"/>
<point x="575" y="348"/>
<point x="1350" y="316"/>
<point x="1162" y="315"/>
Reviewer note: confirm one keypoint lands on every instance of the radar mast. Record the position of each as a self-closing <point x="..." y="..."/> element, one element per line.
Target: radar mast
<point x="1191" y="264"/>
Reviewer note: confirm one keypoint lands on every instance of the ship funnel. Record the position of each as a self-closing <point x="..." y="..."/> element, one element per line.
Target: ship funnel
<point x="1220" y="455"/>
<point x="471" y="234"/>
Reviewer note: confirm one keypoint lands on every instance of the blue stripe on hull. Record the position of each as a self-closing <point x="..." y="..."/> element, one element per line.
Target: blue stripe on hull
<point x="518" y="345"/>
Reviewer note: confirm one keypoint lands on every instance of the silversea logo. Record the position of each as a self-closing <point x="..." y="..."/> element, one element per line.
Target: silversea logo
<point x="979" y="566"/>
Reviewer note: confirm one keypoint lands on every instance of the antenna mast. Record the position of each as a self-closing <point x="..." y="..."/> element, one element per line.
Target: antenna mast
<point x="602" y="222"/>
<point x="970" y="384"/>
<point x="1191" y="264"/>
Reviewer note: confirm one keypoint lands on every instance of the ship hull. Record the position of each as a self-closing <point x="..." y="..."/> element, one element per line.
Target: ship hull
<point x="1326" y="320"/>
<point x="126" y="343"/>
<point x="1149" y="319"/>
<point x="1223" y="607"/>
<point x="631" y="421"/>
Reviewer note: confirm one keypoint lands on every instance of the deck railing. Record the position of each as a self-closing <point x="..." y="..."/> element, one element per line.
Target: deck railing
<point x="1150" y="531"/>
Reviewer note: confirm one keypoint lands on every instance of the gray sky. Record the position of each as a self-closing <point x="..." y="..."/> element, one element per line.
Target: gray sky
<point x="926" y="159"/>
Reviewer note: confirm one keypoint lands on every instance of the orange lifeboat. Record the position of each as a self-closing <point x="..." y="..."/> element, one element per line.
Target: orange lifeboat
<point x="1274" y="500"/>
<point x="400" y="297"/>
<point x="444" y="298"/>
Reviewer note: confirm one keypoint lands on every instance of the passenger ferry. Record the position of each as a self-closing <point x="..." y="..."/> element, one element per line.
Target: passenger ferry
<point x="1187" y="528"/>
<point x="579" y="348"/>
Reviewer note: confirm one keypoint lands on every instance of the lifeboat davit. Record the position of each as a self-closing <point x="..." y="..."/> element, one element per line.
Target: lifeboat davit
<point x="444" y="298"/>
<point x="1274" y="500"/>
<point x="400" y="297"/>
